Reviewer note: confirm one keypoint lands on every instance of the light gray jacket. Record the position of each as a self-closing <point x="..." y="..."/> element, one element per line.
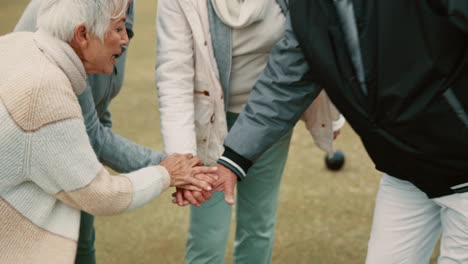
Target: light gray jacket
<point x="271" y="112"/>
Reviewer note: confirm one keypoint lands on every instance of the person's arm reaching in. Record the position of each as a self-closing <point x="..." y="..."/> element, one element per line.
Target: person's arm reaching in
<point x="64" y="164"/>
<point x="113" y="150"/>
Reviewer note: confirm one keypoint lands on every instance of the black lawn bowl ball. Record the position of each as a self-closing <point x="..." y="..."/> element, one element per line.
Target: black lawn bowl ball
<point x="336" y="161"/>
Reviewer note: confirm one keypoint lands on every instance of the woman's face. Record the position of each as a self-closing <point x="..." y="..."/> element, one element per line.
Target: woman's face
<point x="100" y="56"/>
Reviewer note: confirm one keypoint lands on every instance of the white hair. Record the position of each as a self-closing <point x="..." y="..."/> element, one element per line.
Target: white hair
<point x="60" y="17"/>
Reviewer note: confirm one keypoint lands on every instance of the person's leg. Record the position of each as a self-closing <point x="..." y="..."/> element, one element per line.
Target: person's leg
<point x="208" y="232"/>
<point x="257" y="200"/>
<point x="406" y="224"/>
<point x="86" y="254"/>
<point x="454" y="215"/>
<point x="209" y="226"/>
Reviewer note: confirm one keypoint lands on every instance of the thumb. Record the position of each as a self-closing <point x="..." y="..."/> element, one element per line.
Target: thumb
<point x="229" y="186"/>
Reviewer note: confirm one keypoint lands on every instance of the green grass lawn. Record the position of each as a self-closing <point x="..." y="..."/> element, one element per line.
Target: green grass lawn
<point x="324" y="217"/>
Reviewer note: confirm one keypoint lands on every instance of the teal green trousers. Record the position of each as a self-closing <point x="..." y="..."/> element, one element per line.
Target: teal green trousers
<point x="257" y="199"/>
<point x="86" y="254"/>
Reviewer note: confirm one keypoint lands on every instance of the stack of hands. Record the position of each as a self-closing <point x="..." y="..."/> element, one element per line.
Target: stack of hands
<point x="195" y="183"/>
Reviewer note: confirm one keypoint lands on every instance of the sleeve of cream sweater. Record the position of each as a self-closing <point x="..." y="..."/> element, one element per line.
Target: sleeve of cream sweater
<point x="63" y="163"/>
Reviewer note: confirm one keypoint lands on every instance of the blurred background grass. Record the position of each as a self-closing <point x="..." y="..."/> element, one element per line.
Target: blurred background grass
<point x="323" y="217"/>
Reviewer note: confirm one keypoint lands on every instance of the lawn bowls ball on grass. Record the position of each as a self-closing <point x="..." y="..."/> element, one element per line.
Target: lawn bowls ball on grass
<point x="335" y="161"/>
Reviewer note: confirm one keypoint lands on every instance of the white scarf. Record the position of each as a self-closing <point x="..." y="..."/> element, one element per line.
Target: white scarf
<point x="65" y="58"/>
<point x="240" y="13"/>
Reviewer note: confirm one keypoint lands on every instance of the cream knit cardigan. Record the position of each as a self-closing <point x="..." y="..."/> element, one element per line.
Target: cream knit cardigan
<point x="49" y="171"/>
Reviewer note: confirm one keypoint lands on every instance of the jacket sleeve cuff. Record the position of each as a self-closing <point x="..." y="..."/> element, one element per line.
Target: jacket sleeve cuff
<point x="338" y="124"/>
<point x="235" y="162"/>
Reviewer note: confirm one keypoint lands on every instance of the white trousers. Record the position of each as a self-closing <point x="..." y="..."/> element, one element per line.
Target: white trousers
<point x="407" y="225"/>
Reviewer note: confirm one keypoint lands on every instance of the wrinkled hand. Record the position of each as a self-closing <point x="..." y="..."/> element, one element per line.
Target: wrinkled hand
<point x="226" y="182"/>
<point x="183" y="197"/>
<point x="185" y="172"/>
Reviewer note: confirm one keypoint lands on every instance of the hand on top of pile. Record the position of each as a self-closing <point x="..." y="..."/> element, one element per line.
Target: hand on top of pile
<point x="187" y="172"/>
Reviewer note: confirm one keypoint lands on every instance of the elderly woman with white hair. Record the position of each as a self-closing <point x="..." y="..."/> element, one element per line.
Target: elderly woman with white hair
<point x="49" y="170"/>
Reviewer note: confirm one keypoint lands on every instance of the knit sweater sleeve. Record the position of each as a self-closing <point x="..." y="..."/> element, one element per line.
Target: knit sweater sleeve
<point x="63" y="164"/>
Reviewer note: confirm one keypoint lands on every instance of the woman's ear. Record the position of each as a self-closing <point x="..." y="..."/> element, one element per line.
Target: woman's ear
<point x="81" y="36"/>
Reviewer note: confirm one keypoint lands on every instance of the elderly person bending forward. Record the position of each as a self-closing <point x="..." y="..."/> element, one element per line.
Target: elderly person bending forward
<point x="49" y="170"/>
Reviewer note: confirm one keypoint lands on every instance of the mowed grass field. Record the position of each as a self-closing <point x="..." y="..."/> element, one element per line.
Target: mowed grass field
<point x="323" y="217"/>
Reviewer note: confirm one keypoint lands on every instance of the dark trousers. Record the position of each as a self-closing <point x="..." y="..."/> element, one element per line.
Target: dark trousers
<point x="86" y="254"/>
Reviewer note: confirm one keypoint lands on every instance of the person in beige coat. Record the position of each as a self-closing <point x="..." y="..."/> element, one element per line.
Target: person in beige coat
<point x="49" y="169"/>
